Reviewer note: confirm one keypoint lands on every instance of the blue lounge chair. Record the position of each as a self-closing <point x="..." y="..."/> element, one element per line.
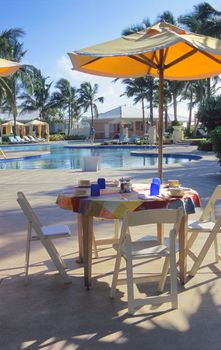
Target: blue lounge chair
<point x="134" y="139"/>
<point x="12" y="140"/>
<point x="123" y="139"/>
<point x="20" y="140"/>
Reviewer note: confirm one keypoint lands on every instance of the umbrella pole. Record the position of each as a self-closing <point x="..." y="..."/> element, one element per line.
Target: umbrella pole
<point x="160" y="127"/>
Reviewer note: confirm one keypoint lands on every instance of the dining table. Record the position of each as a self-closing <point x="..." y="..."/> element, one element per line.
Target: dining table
<point x="112" y="204"/>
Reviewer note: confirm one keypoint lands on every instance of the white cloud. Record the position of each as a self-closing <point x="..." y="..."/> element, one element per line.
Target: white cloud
<point x="107" y="88"/>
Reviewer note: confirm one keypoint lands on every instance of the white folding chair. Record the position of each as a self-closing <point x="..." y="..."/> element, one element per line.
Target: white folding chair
<point x="148" y="249"/>
<point x="204" y="224"/>
<point x="45" y="234"/>
<point x="106" y="241"/>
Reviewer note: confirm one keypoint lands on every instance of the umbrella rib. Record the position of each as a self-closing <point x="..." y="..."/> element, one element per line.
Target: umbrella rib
<point x="181" y="58"/>
<point x="92" y="61"/>
<point x="144" y="60"/>
<point x="211" y="57"/>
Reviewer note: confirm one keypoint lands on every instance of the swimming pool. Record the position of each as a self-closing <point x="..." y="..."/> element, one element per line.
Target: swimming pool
<point x="70" y="158"/>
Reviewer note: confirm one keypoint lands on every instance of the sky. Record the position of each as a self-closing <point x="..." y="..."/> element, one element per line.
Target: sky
<point x="55" y="27"/>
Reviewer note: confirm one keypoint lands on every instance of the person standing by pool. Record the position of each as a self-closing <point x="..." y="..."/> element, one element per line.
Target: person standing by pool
<point x="92" y="135"/>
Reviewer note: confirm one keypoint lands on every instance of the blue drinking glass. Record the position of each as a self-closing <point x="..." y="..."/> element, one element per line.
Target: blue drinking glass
<point x="95" y="190"/>
<point x="101" y="182"/>
<point x="154" y="189"/>
<point x="156" y="180"/>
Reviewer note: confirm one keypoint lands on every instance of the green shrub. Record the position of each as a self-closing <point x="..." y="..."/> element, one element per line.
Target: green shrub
<point x="56" y="137"/>
<point x="205" y="145"/>
<point x="215" y="136"/>
<point x="209" y="113"/>
<point x="75" y="137"/>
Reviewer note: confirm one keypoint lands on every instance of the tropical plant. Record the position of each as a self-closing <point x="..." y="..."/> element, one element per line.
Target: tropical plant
<point x="137" y="27"/>
<point x="10" y="87"/>
<point x="215" y="136"/>
<point x="209" y="112"/>
<point x="139" y="89"/>
<point x="37" y="95"/>
<point x="204" y="20"/>
<point x="66" y="99"/>
<point x="195" y="92"/>
<point x="88" y="99"/>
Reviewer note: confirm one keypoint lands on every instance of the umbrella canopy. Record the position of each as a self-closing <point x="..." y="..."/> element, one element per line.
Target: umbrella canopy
<point x="163" y="51"/>
<point x="8" y="67"/>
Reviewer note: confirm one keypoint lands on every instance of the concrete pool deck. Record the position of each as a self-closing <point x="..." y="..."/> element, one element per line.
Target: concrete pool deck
<point x="46" y="314"/>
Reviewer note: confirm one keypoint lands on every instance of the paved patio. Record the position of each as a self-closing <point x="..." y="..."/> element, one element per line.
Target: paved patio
<point x="47" y="314"/>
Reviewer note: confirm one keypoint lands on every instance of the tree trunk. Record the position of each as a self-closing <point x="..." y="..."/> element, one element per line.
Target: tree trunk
<point x="208" y="92"/>
<point x="175" y="107"/>
<point x="143" y="115"/>
<point x="190" y="109"/>
<point x="69" y="120"/>
<point x="15" y="113"/>
<point x="92" y="115"/>
<point x="166" y="118"/>
<point x="151" y="100"/>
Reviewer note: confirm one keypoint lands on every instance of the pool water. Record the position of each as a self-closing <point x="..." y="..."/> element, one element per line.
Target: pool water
<point x="70" y="158"/>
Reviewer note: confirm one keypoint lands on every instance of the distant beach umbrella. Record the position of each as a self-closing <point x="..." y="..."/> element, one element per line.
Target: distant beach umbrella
<point x="8" y="67"/>
<point x="163" y="50"/>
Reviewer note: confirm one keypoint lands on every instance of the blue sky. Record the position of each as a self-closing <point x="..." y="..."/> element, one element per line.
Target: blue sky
<point x="55" y="27"/>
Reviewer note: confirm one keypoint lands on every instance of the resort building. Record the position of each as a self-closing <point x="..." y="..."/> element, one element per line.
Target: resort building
<point x="108" y="125"/>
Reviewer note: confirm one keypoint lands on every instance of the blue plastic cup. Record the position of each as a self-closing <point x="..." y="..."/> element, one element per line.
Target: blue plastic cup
<point x="154" y="189"/>
<point x="95" y="190"/>
<point x="156" y="180"/>
<point x="101" y="182"/>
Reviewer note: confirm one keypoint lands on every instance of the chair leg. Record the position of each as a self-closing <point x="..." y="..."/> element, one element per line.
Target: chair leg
<point x="173" y="272"/>
<point x="130" y="285"/>
<point x="56" y="260"/>
<point x="28" y="246"/>
<point x="192" y="239"/>
<point x="116" y="229"/>
<point x="58" y="255"/>
<point x="115" y="275"/>
<point x="164" y="274"/>
<point x="216" y="250"/>
<point x="202" y="254"/>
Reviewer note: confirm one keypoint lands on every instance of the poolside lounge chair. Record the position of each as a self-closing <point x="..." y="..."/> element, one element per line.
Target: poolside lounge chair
<point x="44" y="234"/>
<point x="147" y="250"/>
<point x="123" y="139"/>
<point x="32" y="138"/>
<point x="20" y="140"/>
<point x="134" y="139"/>
<point x="39" y="139"/>
<point x="26" y="138"/>
<point x="12" y="140"/>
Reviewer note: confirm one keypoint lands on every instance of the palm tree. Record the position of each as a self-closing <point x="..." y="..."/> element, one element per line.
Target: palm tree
<point x="137" y="27"/>
<point x="11" y="48"/>
<point x="168" y="17"/>
<point x="88" y="99"/>
<point x="37" y="97"/>
<point x="204" y="20"/>
<point x="195" y="91"/>
<point x="139" y="89"/>
<point x="66" y="99"/>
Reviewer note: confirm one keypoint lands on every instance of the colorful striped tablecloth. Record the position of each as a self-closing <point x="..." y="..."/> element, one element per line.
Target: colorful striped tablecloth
<point x="112" y="205"/>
